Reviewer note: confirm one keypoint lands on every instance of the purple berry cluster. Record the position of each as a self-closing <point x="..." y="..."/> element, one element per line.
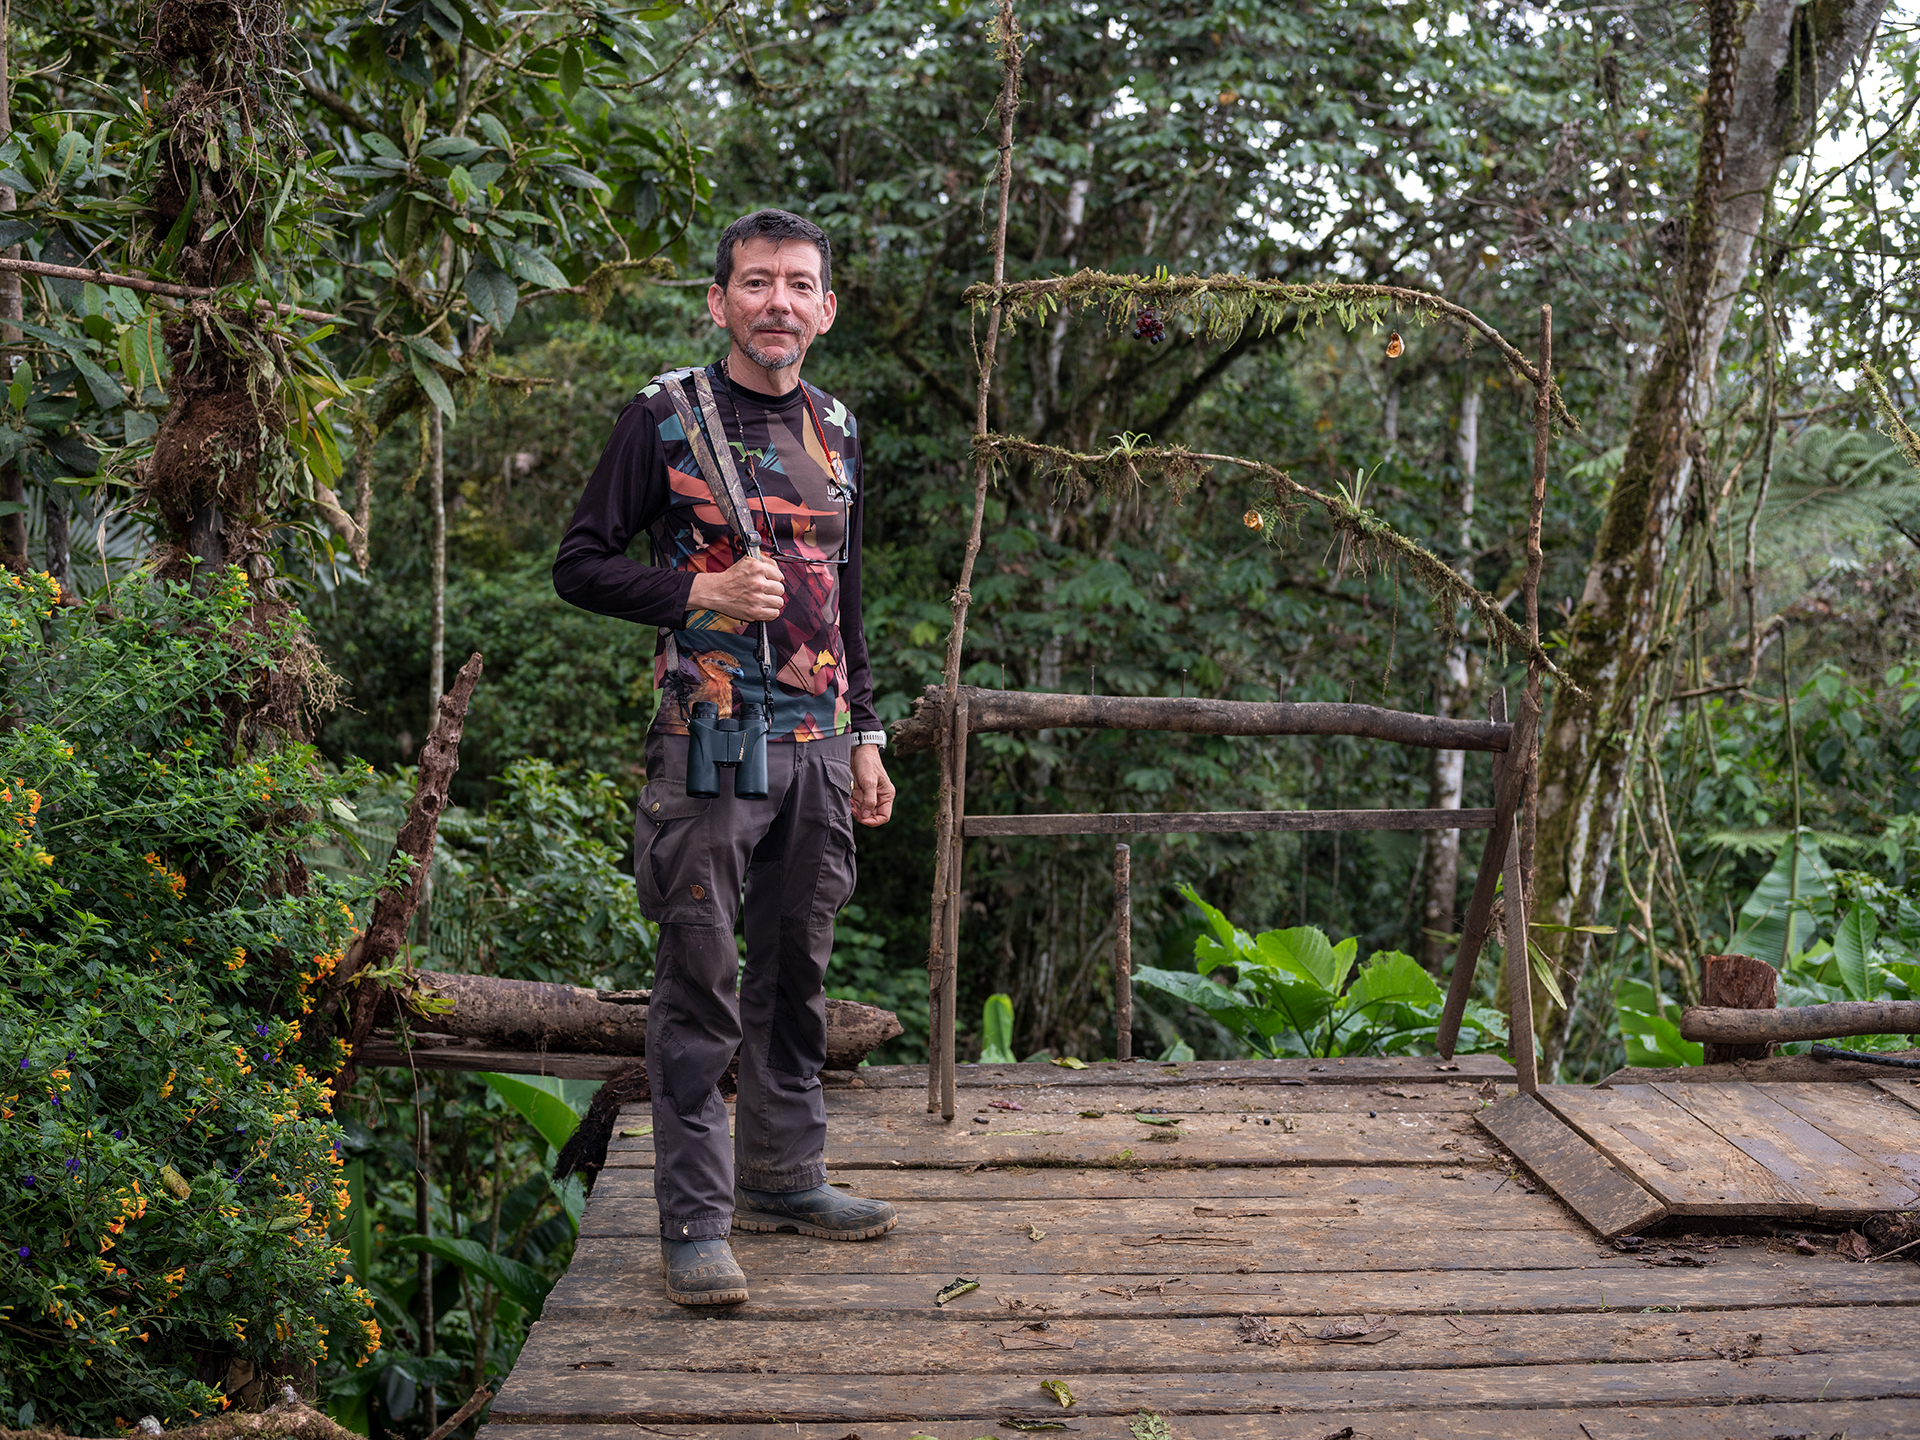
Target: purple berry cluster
<point x="1148" y="326"/>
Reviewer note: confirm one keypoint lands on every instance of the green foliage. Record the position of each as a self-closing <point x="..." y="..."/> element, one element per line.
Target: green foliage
<point x="171" y="1165"/>
<point x="544" y="1109"/>
<point x="1293" y="992"/>
<point x="862" y="970"/>
<point x="996" y="1031"/>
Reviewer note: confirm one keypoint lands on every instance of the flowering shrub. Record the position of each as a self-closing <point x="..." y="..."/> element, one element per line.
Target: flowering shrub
<point x="169" y="1168"/>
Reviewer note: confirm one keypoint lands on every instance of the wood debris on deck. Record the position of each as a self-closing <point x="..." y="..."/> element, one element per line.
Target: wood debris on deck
<point x="1310" y="1249"/>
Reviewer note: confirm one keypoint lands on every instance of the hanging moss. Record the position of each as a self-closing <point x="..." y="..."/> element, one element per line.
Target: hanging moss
<point x="1220" y="306"/>
<point x="1272" y="510"/>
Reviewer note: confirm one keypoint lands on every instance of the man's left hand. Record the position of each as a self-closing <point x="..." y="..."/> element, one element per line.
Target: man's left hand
<point x="872" y="790"/>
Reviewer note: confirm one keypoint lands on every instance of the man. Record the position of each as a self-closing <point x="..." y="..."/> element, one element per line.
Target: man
<point x="793" y="851"/>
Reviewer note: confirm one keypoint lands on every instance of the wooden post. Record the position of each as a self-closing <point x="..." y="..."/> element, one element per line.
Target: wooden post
<point x="945" y="822"/>
<point x="1738" y="982"/>
<point x="950" y="959"/>
<point x="1123" y="952"/>
<point x="1519" y="972"/>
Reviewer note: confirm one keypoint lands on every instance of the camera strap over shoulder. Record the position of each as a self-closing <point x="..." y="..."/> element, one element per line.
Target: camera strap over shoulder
<point x="715" y="460"/>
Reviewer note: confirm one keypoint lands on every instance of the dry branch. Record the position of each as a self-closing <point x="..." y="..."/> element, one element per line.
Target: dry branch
<point x="1000" y="710"/>
<point x="394" y="906"/>
<point x="153" y="287"/>
<point x="1802" y="1022"/>
<point x="1228" y="302"/>
<point x="1132" y="465"/>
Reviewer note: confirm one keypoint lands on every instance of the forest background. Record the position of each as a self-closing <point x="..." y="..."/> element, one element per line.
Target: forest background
<point x="511" y="216"/>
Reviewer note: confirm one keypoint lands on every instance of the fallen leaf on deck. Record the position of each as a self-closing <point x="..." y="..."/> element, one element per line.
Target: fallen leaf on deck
<point x="1446" y="1067"/>
<point x="1489" y="1091"/>
<point x="1058" y="1389"/>
<point x="1067" y="1062"/>
<point x="1005" y="1105"/>
<point x="1739" y="1350"/>
<point x="954" y="1289"/>
<point x="1183" y="1240"/>
<point x="1093" y="1114"/>
<point x="636" y="1132"/>
<point x="1854" y="1246"/>
<point x="1676" y="1259"/>
<point x="1806" y="1246"/>
<point x="1034" y="1232"/>
<point x="1158" y="1119"/>
<point x="1402" y="1094"/>
<point x="1033" y="1425"/>
<point x="1233" y="1214"/>
<point x="1471" y="1327"/>
<point x="1254" y="1330"/>
<point x="1453" y="1175"/>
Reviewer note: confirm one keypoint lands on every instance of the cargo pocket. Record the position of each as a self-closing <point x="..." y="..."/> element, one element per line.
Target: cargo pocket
<point x="839" y="873"/>
<point x="672" y="866"/>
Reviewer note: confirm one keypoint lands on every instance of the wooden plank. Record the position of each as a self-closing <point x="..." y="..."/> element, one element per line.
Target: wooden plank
<point x="932" y="1344"/>
<point x="1235" y="1098"/>
<point x="1351" y="1070"/>
<point x="536" y="1394"/>
<point x="1689" y="1169"/>
<point x="1749" y="1118"/>
<point x="1211" y="822"/>
<point x="613" y="1281"/>
<point x="968" y="1225"/>
<point x="1854" y="1419"/>
<point x="1003" y="710"/>
<point x="1775" y="1068"/>
<point x="1604" y="1196"/>
<point x="866" y="1141"/>
<point x="1198" y="1247"/>
<point x="1869" y="1122"/>
<point x="1907" y="1092"/>
<point x="1473" y="1180"/>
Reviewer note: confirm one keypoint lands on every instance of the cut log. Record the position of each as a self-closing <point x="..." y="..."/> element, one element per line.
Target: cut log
<point x="993" y="710"/>
<point x="1738" y="982"/>
<point x="1804" y="1022"/>
<point x="532" y="1015"/>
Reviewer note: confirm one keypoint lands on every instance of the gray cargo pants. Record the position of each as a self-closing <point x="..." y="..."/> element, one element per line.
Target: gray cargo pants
<point x="793" y="852"/>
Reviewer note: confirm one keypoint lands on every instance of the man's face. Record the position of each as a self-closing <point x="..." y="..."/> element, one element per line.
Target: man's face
<point x="773" y="305"/>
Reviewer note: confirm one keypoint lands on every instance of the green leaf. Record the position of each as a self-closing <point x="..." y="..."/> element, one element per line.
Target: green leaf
<point x="575" y="176"/>
<point x="107" y="393"/>
<point x="431" y="382"/>
<point x="534" y="268"/>
<point x="1306" y="952"/>
<point x="1391" y="978"/>
<point x="1852" y="944"/>
<point x="572" y="71"/>
<point x="1542" y="964"/>
<point x="433" y="350"/>
<point x="996" y="1031"/>
<point x="538" y="1098"/>
<point x="70" y="158"/>
<point x="492" y="293"/>
<point x="1763" y="918"/>
<point x="520" y="1283"/>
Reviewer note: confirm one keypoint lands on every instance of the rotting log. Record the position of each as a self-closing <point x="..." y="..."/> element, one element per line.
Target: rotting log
<point x="532" y="1016"/>
<point x="1738" y="982"/>
<point x="393" y="907"/>
<point x="1001" y="710"/>
<point x="1775" y="1069"/>
<point x="287" y="1419"/>
<point x="1802" y="1022"/>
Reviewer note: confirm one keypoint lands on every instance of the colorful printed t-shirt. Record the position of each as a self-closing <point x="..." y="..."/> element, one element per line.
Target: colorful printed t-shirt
<point x="806" y="502"/>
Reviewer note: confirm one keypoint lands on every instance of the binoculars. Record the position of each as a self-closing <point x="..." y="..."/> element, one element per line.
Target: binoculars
<point x="736" y="745"/>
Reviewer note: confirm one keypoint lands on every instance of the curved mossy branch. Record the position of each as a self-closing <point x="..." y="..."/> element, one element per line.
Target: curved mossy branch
<point x="1129" y="464"/>
<point x="1225" y="303"/>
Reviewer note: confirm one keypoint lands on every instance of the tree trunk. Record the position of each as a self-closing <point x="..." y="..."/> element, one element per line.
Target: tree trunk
<point x="1767" y="79"/>
<point x="13" y="490"/>
<point x="1441" y="870"/>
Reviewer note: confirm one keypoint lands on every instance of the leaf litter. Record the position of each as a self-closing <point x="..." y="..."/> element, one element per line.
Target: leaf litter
<point x="1368" y="1330"/>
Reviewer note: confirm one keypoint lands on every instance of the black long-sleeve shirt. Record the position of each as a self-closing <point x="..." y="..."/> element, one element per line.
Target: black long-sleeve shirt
<point x="808" y="501"/>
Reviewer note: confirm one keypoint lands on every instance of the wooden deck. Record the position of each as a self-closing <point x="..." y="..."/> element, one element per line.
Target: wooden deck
<point x="1190" y="1270"/>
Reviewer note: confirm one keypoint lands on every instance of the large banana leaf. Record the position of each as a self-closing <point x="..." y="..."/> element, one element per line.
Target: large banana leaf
<point x="541" y="1099"/>
<point x="1762" y="931"/>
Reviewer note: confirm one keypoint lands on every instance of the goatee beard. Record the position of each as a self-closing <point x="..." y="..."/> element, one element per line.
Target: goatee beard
<point x="772" y="362"/>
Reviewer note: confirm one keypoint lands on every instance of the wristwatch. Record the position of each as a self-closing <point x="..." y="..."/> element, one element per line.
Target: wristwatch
<point x="876" y="738"/>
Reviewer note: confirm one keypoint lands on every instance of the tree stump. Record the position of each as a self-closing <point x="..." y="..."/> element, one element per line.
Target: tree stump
<point x="1738" y="982"/>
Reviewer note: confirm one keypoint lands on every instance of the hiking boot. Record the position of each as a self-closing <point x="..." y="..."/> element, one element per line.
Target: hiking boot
<point x="702" y="1272"/>
<point x="823" y="1211"/>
